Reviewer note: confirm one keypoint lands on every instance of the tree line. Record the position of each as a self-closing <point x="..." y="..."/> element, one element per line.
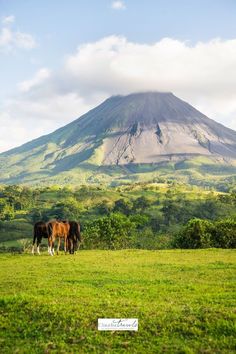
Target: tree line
<point x="164" y="220"/>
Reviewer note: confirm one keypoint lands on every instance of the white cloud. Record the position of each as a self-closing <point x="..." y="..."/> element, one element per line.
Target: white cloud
<point x="40" y="76"/>
<point x="23" y="40"/>
<point x="10" y="39"/>
<point x="118" y="5"/>
<point x="5" y="37"/>
<point x="203" y="74"/>
<point x="13" y="128"/>
<point x="24" y="117"/>
<point x="8" y="19"/>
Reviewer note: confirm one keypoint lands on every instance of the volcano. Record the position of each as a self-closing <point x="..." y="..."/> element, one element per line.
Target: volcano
<point x="141" y="128"/>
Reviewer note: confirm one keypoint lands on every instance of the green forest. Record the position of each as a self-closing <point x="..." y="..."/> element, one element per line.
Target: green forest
<point x="142" y="215"/>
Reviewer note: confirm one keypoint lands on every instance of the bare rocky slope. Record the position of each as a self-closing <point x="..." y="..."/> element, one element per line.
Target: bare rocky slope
<point x="141" y="128"/>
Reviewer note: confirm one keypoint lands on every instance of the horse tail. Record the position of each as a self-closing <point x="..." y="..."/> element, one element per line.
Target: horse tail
<point x="49" y="229"/>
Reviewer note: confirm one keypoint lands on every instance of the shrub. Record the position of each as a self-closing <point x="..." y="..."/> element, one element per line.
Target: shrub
<point x="115" y="231"/>
<point x="224" y="234"/>
<point x="196" y="234"/>
<point x="6" y="211"/>
<point x="200" y="233"/>
<point x="147" y="239"/>
<point x="141" y="203"/>
<point x="122" y="206"/>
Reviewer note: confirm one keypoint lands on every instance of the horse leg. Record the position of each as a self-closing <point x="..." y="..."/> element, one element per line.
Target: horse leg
<point x="68" y="245"/>
<point x="39" y="239"/>
<point x="50" y="246"/>
<point x="71" y="246"/>
<point x="58" y="244"/>
<point x="53" y="242"/>
<point x="65" y="240"/>
<point x="38" y="244"/>
<point x="33" y="246"/>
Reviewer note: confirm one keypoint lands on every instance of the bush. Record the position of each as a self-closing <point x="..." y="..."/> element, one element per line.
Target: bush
<point x="141" y="203"/>
<point x="196" y="234"/>
<point x="224" y="234"/>
<point x="139" y="220"/>
<point x="200" y="233"/>
<point x="6" y="211"/>
<point x="122" y="206"/>
<point x="147" y="239"/>
<point x="68" y="209"/>
<point x="115" y="231"/>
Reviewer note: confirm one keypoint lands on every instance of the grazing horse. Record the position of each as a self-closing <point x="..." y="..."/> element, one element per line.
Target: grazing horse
<point x="57" y="230"/>
<point x="40" y="230"/>
<point x="74" y="238"/>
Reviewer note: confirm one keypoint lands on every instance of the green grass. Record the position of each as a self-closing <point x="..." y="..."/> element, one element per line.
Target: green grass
<point x="184" y="300"/>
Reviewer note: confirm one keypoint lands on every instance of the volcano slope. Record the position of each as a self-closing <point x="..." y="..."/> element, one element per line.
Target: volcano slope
<point x="142" y="132"/>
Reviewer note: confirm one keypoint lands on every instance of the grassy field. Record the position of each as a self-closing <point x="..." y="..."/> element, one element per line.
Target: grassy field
<point x="184" y="300"/>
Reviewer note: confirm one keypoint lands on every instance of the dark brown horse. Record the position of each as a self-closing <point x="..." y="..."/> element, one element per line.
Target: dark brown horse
<point x="40" y="231"/>
<point x="74" y="238"/>
<point x="57" y="230"/>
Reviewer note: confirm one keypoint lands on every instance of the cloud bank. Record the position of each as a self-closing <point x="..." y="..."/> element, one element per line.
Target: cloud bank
<point x="203" y="74"/>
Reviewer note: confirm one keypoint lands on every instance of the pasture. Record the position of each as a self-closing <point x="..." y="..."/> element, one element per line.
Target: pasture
<point x="184" y="300"/>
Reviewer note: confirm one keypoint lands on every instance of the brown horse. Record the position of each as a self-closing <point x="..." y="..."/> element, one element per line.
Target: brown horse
<point x="74" y="238"/>
<point x="57" y="230"/>
<point x="40" y="231"/>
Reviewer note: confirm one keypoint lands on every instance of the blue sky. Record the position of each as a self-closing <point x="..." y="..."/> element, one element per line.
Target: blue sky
<point x="39" y="53"/>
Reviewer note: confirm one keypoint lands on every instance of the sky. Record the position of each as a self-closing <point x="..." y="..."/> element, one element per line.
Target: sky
<point x="58" y="59"/>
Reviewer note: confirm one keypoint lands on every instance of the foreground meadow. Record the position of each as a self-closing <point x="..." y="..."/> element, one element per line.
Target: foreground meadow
<point x="184" y="300"/>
